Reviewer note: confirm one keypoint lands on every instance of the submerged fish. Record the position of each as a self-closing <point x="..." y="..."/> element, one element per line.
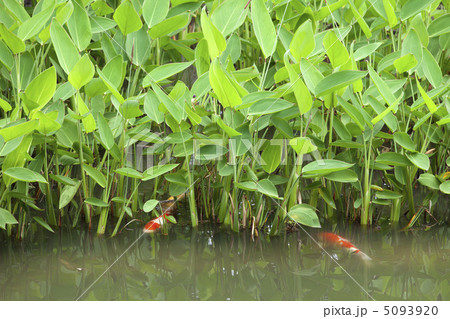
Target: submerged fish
<point x="330" y="238"/>
<point x="168" y="207"/>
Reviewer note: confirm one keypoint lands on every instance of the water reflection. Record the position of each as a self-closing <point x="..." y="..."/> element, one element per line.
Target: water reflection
<point x="212" y="264"/>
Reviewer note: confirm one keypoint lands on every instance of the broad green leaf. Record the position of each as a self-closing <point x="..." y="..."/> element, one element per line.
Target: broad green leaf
<point x="12" y="41"/>
<point x="268" y="106"/>
<point x="420" y="160"/>
<point x="389" y="118"/>
<point x="82" y="73"/>
<point x="95" y="202"/>
<point x="302" y="145"/>
<point x="126" y="17"/>
<point x="419" y="26"/>
<point x="404" y="141"/>
<point x="24" y="174"/>
<point x="41" y="89"/>
<point x="412" y="7"/>
<point x="169" y="25"/>
<point x="80" y="26"/>
<point x="382" y="87"/>
<point x="282" y="126"/>
<point x="67" y="194"/>
<point x="6" y="56"/>
<point x="311" y="75"/>
<point x="271" y="156"/>
<point x="63" y="179"/>
<point x="301" y="92"/>
<point x="110" y="86"/>
<point x="345" y="176"/>
<point x="266" y="187"/>
<point x="429" y="102"/>
<point x="151" y="103"/>
<point x="302" y="43"/>
<point x="138" y="47"/>
<point x="215" y="39"/>
<point x="156" y="171"/>
<point x="325" y="11"/>
<point x="324" y="167"/>
<point x="393" y="159"/>
<point x="17" y="157"/>
<point x="336" y="51"/>
<point x="65" y="50"/>
<point x="6" y="218"/>
<point x="88" y="119"/>
<point x="431" y="69"/>
<point x="155" y="11"/>
<point x="15" y="131"/>
<point x="391" y="108"/>
<point x="439" y="26"/>
<point x="36" y="23"/>
<point x="228" y="91"/>
<point x="96" y="175"/>
<point x="248" y="186"/>
<point x="305" y="215"/>
<point x="174" y="109"/>
<point x="106" y="135"/>
<point x="445" y="187"/>
<point x="176" y="178"/>
<point x="390" y="12"/>
<point x="353" y="112"/>
<point x="388" y="194"/>
<point x="412" y="44"/>
<point x="202" y="60"/>
<point x="165" y="71"/>
<point x="429" y="180"/>
<point x="263" y="27"/>
<point x="229" y="15"/>
<point x="43" y="223"/>
<point x="129" y="172"/>
<point x="228" y="130"/>
<point x="406" y="62"/>
<point x="5" y="105"/>
<point x="366" y="50"/>
<point x="47" y="122"/>
<point x="337" y="80"/>
<point x="150" y="205"/>
<point x="362" y="23"/>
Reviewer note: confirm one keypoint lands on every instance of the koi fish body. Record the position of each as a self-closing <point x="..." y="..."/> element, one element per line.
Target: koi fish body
<point x="168" y="207"/>
<point x="155" y="223"/>
<point x="333" y="239"/>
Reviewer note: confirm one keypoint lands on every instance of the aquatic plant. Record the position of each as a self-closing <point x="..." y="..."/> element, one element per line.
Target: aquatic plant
<point x="260" y="111"/>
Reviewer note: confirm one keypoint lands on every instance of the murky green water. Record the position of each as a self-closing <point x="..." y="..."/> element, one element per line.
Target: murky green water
<point x="211" y="264"/>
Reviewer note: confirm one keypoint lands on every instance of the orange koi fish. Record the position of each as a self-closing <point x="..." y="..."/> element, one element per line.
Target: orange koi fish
<point x="155" y="223"/>
<point x="333" y="239"/>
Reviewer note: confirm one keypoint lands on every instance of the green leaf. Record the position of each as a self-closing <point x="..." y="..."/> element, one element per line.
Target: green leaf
<point x="169" y="25"/>
<point x="362" y="23"/>
<point x="431" y="69"/>
<point x="174" y="109"/>
<point x="63" y="179"/>
<point x="302" y="145"/>
<point x="305" y="215"/>
<point x="429" y="180"/>
<point x="263" y="27"/>
<point x="445" y="187"/>
<point x="228" y="91"/>
<point x="106" y="135"/>
<point x="155" y="11"/>
<point x="80" y="26"/>
<point x="156" y="171"/>
<point x="301" y="92"/>
<point x="96" y="175"/>
<point x="302" y="43"/>
<point x="15" y="131"/>
<point x="111" y="86"/>
<point x="41" y="89"/>
<point x="387" y="194"/>
<point x="344" y="176"/>
<point x="228" y="130"/>
<point x="439" y="26"/>
<point x="165" y="71"/>
<point x="82" y="73"/>
<point x="382" y="87"/>
<point x="268" y="106"/>
<point x="25" y="175"/>
<point x="12" y="41"/>
<point x="247" y="186"/>
<point x="429" y="102"/>
<point x="266" y="187"/>
<point x="129" y="172"/>
<point x="390" y="12"/>
<point x="271" y="156"/>
<point x="229" y="15"/>
<point x="95" y="202"/>
<point x="215" y="39"/>
<point x="366" y="50"/>
<point x="412" y="7"/>
<point x="43" y="223"/>
<point x="337" y="80"/>
<point x="6" y="218"/>
<point x="406" y="62"/>
<point x="67" y="194"/>
<point x="404" y="141"/>
<point x="150" y="205"/>
<point x="336" y="51"/>
<point x="126" y="17"/>
<point x="36" y="23"/>
<point x="419" y="160"/>
<point x="394" y="159"/>
<point x="324" y="167"/>
<point x="151" y="104"/>
<point x="65" y="50"/>
<point x="138" y="47"/>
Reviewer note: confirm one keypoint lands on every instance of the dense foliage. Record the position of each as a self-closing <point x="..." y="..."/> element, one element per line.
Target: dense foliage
<point x="261" y="111"/>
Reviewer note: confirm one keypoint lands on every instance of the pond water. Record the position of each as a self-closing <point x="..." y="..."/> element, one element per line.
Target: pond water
<point x="213" y="264"/>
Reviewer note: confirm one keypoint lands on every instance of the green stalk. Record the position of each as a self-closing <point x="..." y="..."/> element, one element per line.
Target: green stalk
<point x="50" y="208"/>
